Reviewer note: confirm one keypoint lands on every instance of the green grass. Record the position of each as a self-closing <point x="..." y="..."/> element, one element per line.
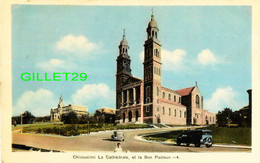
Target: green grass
<point x="77" y="129"/>
<point x="221" y="135"/>
<point x="234" y="136"/>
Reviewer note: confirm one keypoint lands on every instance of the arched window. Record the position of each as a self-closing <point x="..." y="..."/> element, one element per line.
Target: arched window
<point x="123" y="50"/>
<point x="163" y="111"/>
<point x="169" y="97"/>
<point x="169" y="111"/>
<point x="179" y="99"/>
<point x="184" y="114"/>
<point x="174" y="98"/>
<point x="148" y="100"/>
<point x="152" y="33"/>
<point x="175" y="112"/>
<point x="126" y="50"/>
<point x="148" y="91"/>
<point x="180" y="113"/>
<point x="157" y="91"/>
<point x="163" y="95"/>
<point x="197" y="101"/>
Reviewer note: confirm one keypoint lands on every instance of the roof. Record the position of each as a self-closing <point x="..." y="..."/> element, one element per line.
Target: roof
<point x="152" y="23"/>
<point x="185" y="91"/>
<point x="171" y="102"/>
<point x="170" y="90"/>
<point x="107" y="110"/>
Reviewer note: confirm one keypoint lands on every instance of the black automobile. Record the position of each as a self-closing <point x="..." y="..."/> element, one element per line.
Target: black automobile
<point x="196" y="137"/>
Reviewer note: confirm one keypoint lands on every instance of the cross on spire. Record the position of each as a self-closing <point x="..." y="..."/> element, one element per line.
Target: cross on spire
<point x="152" y="17"/>
<point x="124" y="34"/>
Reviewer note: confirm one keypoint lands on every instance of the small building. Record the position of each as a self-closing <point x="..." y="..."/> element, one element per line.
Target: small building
<point x="105" y="115"/>
<point x="58" y="112"/>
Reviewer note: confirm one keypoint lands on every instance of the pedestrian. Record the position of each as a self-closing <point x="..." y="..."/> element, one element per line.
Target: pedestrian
<point x="118" y="148"/>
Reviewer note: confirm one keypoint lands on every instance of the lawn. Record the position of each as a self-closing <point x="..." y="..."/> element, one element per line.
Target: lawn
<point x="76" y="129"/>
<point x="221" y="135"/>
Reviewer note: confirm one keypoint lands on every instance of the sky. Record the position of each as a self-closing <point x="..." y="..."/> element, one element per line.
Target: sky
<point x="207" y="44"/>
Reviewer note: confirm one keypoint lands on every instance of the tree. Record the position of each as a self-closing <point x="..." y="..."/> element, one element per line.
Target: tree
<point x="70" y="118"/>
<point x="28" y="117"/>
<point x="224" y="118"/>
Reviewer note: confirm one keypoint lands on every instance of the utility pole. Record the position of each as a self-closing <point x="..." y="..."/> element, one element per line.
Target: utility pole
<point x="88" y="128"/>
<point x="21" y="122"/>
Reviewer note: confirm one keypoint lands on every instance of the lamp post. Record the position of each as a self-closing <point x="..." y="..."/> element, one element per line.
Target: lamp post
<point x="88" y="128"/>
<point x="21" y="122"/>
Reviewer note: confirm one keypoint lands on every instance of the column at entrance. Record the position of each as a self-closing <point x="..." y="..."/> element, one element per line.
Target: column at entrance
<point x="122" y="98"/>
<point x="134" y="96"/>
<point x="127" y="98"/>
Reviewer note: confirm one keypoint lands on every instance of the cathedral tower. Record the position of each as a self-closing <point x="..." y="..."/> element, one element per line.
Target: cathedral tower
<point x="152" y="71"/>
<point x="123" y="68"/>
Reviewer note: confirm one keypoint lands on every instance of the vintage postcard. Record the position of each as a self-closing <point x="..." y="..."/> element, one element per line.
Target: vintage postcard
<point x="124" y="81"/>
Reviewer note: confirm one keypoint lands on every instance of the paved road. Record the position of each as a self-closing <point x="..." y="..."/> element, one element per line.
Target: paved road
<point x="101" y="142"/>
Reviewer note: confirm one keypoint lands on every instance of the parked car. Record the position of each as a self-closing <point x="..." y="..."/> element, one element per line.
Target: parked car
<point x="118" y="135"/>
<point x="196" y="137"/>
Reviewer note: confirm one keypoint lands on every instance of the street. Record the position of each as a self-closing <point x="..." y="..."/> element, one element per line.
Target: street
<point x="101" y="142"/>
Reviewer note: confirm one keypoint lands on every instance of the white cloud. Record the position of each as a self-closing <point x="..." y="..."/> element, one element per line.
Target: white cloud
<point x="206" y="57"/>
<point x="94" y="96"/>
<point x="172" y="60"/>
<point x="38" y="103"/>
<point x="51" y="65"/>
<point x="73" y="43"/>
<point x="222" y="98"/>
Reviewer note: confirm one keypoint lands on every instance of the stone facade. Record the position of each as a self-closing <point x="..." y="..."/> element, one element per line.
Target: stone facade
<point x="57" y="113"/>
<point x="146" y="100"/>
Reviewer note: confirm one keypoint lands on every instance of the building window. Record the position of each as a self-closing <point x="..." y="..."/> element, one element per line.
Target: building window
<point x="147" y="108"/>
<point x="169" y="97"/>
<point x="163" y="111"/>
<point x="175" y="112"/>
<point x="174" y="98"/>
<point x="158" y="109"/>
<point x="169" y="111"/>
<point x="163" y="95"/>
<point x="184" y="114"/>
<point x="157" y="91"/>
<point x="148" y="91"/>
<point x="197" y="101"/>
<point x="180" y="113"/>
<point x="213" y="119"/>
<point x="179" y="99"/>
<point x="210" y="119"/>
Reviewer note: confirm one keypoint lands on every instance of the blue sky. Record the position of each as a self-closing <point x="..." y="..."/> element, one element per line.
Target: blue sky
<point x="207" y="44"/>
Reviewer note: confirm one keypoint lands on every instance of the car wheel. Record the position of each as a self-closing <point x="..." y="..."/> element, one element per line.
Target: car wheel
<point x="197" y="144"/>
<point x="209" y="143"/>
<point x="178" y="143"/>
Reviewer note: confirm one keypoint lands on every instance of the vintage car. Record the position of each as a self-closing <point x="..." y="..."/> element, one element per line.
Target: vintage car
<point x="196" y="137"/>
<point x="118" y="135"/>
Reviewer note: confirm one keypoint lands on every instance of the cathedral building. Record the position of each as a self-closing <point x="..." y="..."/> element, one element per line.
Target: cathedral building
<point x="146" y="100"/>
